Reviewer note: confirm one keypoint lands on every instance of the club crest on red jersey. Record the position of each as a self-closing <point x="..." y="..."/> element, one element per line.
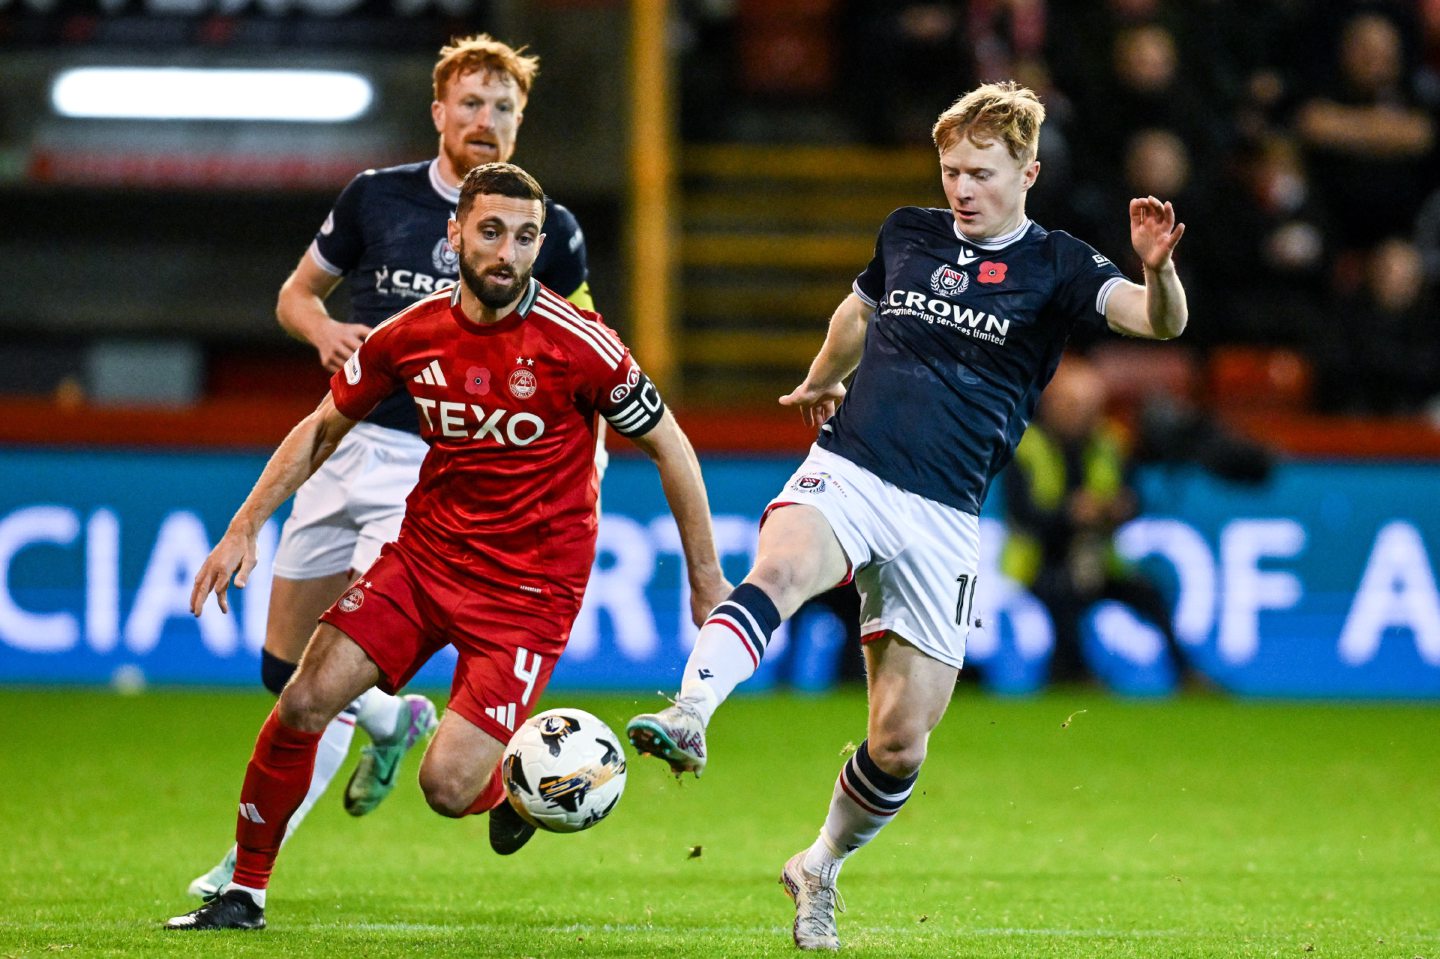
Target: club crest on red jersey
<point x="353" y="599"/>
<point x="523" y="383"/>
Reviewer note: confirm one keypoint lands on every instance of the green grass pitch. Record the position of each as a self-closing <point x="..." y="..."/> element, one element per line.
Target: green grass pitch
<point x="1196" y="827"/>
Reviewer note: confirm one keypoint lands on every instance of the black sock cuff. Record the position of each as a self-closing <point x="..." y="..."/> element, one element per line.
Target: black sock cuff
<point x="753" y="598"/>
<point x="883" y="781"/>
<point x="274" y="671"/>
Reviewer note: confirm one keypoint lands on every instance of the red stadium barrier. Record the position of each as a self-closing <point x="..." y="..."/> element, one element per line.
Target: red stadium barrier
<point x="234" y="422"/>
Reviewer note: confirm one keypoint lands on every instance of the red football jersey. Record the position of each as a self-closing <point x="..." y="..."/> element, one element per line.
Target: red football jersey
<point x="507" y="492"/>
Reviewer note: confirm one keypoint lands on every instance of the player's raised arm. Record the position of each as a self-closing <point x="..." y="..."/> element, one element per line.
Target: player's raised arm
<point x="820" y="395"/>
<point x="1157" y="310"/>
<point x="301" y="312"/>
<point x="684" y="487"/>
<point x="300" y="454"/>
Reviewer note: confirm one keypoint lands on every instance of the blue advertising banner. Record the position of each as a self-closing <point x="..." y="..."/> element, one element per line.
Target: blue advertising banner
<point x="1319" y="583"/>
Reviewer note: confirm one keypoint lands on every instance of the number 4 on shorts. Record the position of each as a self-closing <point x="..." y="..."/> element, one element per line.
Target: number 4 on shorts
<point x="527" y="670"/>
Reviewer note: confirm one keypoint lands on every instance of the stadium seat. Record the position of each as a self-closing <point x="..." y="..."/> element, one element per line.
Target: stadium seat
<point x="1259" y="378"/>
<point x="787" y="49"/>
<point x="1135" y="371"/>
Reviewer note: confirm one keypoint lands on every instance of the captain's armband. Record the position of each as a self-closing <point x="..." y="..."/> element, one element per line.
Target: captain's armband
<point x="635" y="407"/>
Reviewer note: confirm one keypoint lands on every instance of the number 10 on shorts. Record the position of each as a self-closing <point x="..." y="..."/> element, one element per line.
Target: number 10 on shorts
<point x="965" y="604"/>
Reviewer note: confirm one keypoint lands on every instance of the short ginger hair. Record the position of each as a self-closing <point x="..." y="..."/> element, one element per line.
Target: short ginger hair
<point x="484" y="53"/>
<point x="1006" y="112"/>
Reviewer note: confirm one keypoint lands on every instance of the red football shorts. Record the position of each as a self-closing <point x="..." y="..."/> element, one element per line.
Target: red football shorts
<point x="403" y="610"/>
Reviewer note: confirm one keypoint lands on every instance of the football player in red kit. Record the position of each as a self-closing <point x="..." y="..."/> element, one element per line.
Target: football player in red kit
<point x="509" y="380"/>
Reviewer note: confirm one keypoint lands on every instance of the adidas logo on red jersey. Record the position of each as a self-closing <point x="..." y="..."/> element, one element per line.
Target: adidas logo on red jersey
<point x="431" y="375"/>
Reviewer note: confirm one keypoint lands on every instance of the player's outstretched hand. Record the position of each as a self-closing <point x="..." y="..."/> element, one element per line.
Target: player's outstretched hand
<point x="336" y="341"/>
<point x="703" y="600"/>
<point x="816" y="405"/>
<point x="1153" y="231"/>
<point x="233" y="554"/>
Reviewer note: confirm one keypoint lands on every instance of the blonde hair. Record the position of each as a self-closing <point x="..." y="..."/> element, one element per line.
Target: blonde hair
<point x="484" y="53"/>
<point x="1006" y="112"/>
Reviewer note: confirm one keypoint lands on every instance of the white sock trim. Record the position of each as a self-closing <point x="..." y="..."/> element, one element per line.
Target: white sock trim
<point x="256" y="895"/>
<point x="379" y="714"/>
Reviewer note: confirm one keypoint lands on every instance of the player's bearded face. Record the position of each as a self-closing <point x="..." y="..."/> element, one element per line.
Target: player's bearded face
<point x="497" y="248"/>
<point x="986" y="187"/>
<point x="493" y="285"/>
<point x="478" y="120"/>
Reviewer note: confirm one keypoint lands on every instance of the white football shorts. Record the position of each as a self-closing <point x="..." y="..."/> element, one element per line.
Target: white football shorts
<point x="914" y="560"/>
<point x="352" y="506"/>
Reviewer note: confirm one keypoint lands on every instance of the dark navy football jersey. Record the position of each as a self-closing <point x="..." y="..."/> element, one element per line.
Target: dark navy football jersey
<point x="965" y="336"/>
<point x="386" y="235"/>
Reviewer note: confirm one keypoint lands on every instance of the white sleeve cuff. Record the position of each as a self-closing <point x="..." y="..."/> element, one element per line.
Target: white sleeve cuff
<point x="1103" y="296"/>
<point x="323" y="263"/>
<point x="861" y="293"/>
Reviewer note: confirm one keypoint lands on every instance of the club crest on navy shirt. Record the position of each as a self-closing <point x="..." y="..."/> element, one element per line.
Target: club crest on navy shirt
<point x="946" y="280"/>
<point x="445" y="259"/>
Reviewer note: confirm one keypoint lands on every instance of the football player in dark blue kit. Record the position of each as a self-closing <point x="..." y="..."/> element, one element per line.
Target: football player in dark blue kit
<point x="386" y="235"/>
<point x="952" y="332"/>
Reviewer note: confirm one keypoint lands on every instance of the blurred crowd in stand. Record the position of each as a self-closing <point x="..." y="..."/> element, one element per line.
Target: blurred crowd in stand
<point x="1297" y="139"/>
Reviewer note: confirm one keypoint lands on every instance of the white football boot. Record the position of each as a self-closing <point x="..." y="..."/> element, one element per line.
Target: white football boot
<point x="815" y="905"/>
<point x="676" y="734"/>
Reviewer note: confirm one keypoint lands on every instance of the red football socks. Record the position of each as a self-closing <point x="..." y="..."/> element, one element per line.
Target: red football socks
<point x="275" y="784"/>
<point x="491" y="796"/>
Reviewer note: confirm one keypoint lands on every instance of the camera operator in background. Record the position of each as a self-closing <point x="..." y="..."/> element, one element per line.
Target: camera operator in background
<point x="1065" y="494"/>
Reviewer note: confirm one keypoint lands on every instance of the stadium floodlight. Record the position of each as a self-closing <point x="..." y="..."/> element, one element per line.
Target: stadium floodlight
<point x="189" y="93"/>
